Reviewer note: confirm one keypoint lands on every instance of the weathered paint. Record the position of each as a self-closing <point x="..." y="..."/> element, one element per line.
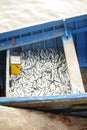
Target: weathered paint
<point x="49" y="33"/>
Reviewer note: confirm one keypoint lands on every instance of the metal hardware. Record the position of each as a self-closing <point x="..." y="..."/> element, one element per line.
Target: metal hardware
<point x="65" y="27"/>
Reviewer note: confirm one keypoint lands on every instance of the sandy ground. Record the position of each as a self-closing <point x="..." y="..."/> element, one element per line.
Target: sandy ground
<point x="20" y="119"/>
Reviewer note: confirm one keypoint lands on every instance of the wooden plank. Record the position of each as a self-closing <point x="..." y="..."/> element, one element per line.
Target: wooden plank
<point x="80" y="101"/>
<point x="72" y="64"/>
<point x="7" y="72"/>
<point x="84" y="77"/>
<point x="20" y="119"/>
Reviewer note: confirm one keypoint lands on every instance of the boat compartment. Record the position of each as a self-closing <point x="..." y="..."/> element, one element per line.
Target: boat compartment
<point x="53" y="64"/>
<point x="44" y="71"/>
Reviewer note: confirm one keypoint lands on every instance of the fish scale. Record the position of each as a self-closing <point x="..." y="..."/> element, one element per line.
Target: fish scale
<point x="43" y="73"/>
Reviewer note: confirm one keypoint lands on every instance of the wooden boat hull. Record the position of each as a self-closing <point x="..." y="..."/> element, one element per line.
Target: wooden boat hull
<point x="49" y="33"/>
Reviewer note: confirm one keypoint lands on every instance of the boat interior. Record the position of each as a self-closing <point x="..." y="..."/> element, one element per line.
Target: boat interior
<point x="3" y="64"/>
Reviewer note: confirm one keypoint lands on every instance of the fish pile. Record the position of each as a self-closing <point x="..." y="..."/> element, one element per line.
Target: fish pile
<point x="43" y="73"/>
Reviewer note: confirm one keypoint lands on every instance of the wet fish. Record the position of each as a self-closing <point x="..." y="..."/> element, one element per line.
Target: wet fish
<point x="43" y="73"/>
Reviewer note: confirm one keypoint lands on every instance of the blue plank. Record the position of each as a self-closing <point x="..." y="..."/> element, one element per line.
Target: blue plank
<point x="80" y="30"/>
<point x="31" y="29"/>
<point x="32" y="39"/>
<point x="76" y="18"/>
<point x="42" y="98"/>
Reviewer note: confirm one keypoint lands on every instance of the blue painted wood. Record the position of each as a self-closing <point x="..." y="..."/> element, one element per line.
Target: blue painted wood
<point x="48" y="35"/>
<point x="30" y="39"/>
<point x="43" y="98"/>
<point x="50" y="30"/>
<point x="41" y="27"/>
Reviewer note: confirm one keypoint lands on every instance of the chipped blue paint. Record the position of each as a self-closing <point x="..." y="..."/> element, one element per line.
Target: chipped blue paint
<point x="51" y="33"/>
<point x="42" y="98"/>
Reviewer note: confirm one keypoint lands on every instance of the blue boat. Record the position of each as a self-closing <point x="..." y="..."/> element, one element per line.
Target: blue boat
<point x="70" y="32"/>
